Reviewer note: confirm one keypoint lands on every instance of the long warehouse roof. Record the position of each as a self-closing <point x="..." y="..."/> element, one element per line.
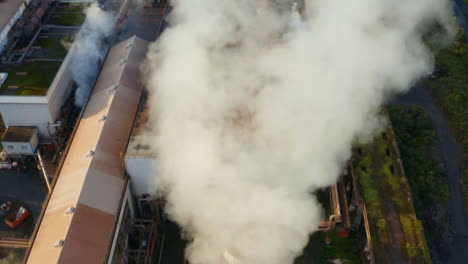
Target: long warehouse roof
<point x="92" y="179"/>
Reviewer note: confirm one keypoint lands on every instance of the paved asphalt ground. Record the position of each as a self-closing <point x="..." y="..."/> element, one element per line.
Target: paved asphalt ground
<point x="26" y="187"/>
<point x="174" y="245"/>
<point x="451" y="157"/>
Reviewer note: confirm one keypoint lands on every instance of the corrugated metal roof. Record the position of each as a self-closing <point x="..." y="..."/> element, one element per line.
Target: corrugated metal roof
<point x="94" y="184"/>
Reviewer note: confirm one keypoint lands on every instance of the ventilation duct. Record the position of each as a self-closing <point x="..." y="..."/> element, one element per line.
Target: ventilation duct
<point x="102" y="118"/>
<point x="70" y="210"/>
<point x="59" y="243"/>
<point x="112" y="88"/>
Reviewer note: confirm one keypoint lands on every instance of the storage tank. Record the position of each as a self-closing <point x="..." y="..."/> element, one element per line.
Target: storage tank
<point x="37" y="17"/>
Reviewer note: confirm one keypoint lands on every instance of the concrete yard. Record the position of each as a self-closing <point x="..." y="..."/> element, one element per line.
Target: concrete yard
<point x="26" y="188"/>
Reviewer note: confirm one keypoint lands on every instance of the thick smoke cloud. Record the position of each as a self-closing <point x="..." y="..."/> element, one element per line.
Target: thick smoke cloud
<point x="256" y="106"/>
<point x="90" y="50"/>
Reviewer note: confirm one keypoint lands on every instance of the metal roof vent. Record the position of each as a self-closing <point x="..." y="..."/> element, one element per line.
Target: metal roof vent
<point x="102" y="118"/>
<point x="89" y="154"/>
<point x="70" y="210"/>
<point x="59" y="243"/>
<point x="130" y="44"/>
<point x="123" y="61"/>
<point x="112" y="88"/>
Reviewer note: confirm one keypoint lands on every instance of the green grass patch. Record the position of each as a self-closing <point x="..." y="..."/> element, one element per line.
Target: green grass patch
<point x="366" y="179"/>
<point x="366" y="160"/>
<point x="68" y="19"/>
<point x="344" y="248"/>
<point x="54" y="47"/>
<point x="36" y="82"/>
<point x="421" y="155"/>
<point x="394" y="181"/>
<point x="371" y="195"/>
<point x="383" y="231"/>
<point x="76" y="7"/>
<point x="450" y="91"/>
<point x="382" y="146"/>
<point x="415" y="244"/>
<point x="397" y="186"/>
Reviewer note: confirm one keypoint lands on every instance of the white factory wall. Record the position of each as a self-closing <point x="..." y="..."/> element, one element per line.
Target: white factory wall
<point x="142" y="171"/>
<point x="21" y="148"/>
<point x="34" y="142"/>
<point x="28" y="114"/>
<point x="60" y="93"/>
<point x="62" y="84"/>
<point x="40" y="111"/>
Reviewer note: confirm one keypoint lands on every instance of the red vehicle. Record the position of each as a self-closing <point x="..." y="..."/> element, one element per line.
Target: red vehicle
<point x="16" y="217"/>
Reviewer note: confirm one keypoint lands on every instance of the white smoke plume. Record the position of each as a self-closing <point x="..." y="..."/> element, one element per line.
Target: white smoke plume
<point x="91" y="49"/>
<point x="256" y="107"/>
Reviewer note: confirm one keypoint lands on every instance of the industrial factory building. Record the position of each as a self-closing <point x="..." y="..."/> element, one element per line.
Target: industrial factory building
<point x="81" y="221"/>
<point x="94" y="212"/>
<point x="36" y="69"/>
<point x="104" y="206"/>
<point x="371" y="211"/>
<point x="40" y="111"/>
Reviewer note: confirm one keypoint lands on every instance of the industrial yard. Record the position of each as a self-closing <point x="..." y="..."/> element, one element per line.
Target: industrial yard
<point x="82" y="162"/>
